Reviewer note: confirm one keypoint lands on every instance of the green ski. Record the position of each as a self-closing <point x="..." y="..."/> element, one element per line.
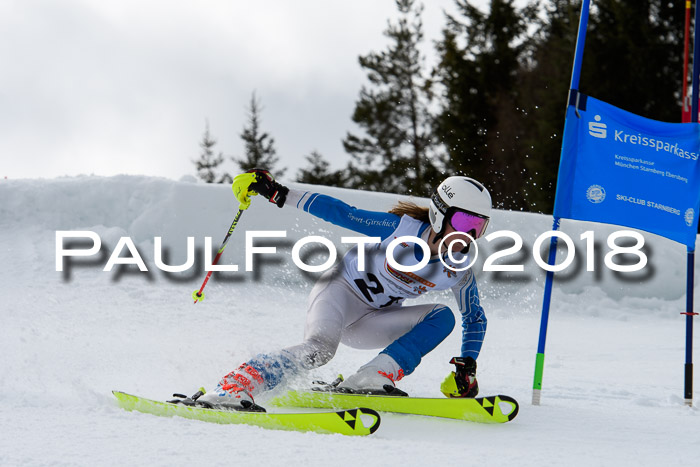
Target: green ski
<point x="493" y="409"/>
<point x="355" y="422"/>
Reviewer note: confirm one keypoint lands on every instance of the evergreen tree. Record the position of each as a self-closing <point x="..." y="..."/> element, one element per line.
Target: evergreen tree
<point x="317" y="172"/>
<point x="260" y="149"/>
<point x="546" y="86"/>
<point x="479" y="121"/>
<point x="396" y="152"/>
<point x="208" y="162"/>
<point x="504" y="78"/>
<point x="632" y="59"/>
<point x="634" y="56"/>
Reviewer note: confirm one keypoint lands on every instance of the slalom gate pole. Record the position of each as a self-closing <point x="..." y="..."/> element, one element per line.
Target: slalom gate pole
<point x="688" y="377"/>
<point x="197" y="295"/>
<point x="696" y="67"/>
<point x="685" y="117"/>
<point x="539" y="360"/>
<point x="580" y="44"/>
<point x="575" y="78"/>
<point x="689" y="312"/>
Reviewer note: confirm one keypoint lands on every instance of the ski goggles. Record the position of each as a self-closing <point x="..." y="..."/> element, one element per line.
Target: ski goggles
<point x="463" y="221"/>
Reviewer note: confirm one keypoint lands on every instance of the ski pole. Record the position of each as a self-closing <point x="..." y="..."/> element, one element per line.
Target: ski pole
<point x="197" y="294"/>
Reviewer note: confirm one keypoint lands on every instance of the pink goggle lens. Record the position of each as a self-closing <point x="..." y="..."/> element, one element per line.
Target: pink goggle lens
<point x="464" y="222"/>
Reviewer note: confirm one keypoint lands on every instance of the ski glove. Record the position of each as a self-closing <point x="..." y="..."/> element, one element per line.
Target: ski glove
<point x="462" y="382"/>
<point x="266" y="185"/>
<point x="260" y="181"/>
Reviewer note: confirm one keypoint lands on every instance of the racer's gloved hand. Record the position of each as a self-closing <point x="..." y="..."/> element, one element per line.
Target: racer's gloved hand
<point x="462" y="382"/>
<point x="260" y="181"/>
<point x="266" y="185"/>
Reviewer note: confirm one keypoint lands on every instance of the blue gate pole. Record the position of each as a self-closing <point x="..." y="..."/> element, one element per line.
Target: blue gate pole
<point x="689" y="313"/>
<point x="544" y="320"/>
<point x="575" y="78"/>
<point x="696" y="67"/>
<point x="580" y="44"/>
<point x="688" y="383"/>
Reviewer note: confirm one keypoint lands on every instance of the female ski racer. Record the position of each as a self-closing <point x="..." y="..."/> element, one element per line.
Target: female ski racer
<point x="364" y="308"/>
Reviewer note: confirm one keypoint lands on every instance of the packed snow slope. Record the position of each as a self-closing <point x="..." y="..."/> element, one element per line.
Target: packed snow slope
<point x="613" y="374"/>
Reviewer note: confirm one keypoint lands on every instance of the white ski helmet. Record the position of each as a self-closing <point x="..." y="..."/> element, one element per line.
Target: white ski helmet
<point x="460" y="195"/>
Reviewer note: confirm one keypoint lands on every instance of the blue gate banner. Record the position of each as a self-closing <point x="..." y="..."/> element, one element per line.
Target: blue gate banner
<point x="619" y="168"/>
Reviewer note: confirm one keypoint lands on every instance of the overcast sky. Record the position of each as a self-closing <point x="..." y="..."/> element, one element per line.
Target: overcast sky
<point x="124" y="86"/>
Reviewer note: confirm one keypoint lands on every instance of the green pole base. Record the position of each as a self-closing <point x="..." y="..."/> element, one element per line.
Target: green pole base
<point x="537" y="383"/>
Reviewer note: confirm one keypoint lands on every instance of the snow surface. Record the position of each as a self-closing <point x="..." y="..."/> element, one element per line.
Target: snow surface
<point x="613" y="375"/>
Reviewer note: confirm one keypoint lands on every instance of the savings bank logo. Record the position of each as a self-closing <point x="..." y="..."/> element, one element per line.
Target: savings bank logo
<point x="598" y="129"/>
<point x="595" y="194"/>
<point x="689" y="216"/>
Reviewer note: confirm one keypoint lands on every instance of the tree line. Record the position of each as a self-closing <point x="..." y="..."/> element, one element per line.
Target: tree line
<point x="492" y="108"/>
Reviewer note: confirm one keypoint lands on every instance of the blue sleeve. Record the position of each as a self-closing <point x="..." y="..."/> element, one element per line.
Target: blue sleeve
<point x="371" y="223"/>
<point x="473" y="317"/>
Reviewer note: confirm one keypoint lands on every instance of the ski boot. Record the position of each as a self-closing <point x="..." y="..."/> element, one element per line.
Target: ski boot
<point x="235" y="391"/>
<point x="377" y="377"/>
